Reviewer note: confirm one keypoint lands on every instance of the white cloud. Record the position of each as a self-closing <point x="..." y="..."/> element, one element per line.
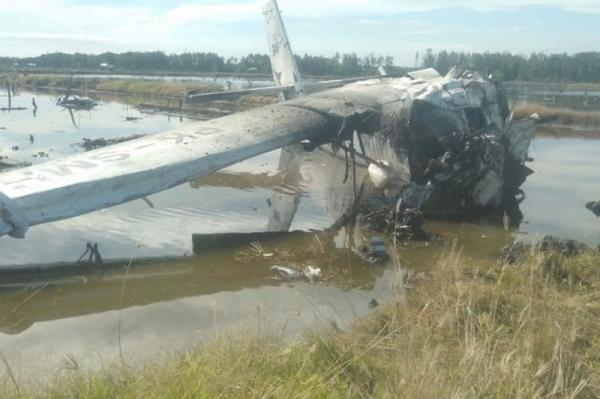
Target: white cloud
<point x="53" y="36"/>
<point x="390" y="7"/>
<point x="216" y="13"/>
<point x="371" y="22"/>
<point x="77" y="26"/>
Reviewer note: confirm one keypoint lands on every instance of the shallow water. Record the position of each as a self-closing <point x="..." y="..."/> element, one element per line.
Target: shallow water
<point x="170" y="305"/>
<point x="56" y="131"/>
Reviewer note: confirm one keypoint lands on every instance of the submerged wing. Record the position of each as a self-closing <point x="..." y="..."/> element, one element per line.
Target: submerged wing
<point x="97" y="179"/>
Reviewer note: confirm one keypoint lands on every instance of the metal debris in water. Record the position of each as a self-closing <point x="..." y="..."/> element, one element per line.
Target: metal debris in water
<point x="76" y="103"/>
<point x="400" y="223"/>
<point x="308" y="273"/>
<point x="375" y="252"/>
<point x="594" y="207"/>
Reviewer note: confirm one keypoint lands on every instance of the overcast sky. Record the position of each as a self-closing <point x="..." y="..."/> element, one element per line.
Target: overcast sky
<point x="320" y="27"/>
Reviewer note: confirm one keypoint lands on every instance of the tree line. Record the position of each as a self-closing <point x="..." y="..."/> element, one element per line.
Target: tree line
<point x="581" y="67"/>
<point x="156" y="61"/>
<point x="537" y="67"/>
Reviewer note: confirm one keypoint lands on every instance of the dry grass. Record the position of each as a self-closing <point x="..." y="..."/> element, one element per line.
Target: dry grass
<point x="150" y="87"/>
<point x="159" y="88"/>
<point x="469" y="330"/>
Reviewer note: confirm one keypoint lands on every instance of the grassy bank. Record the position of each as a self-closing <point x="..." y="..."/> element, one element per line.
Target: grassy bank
<point x="159" y="88"/>
<point x="561" y="122"/>
<point x="164" y="95"/>
<point x="468" y="329"/>
<point x="560" y="116"/>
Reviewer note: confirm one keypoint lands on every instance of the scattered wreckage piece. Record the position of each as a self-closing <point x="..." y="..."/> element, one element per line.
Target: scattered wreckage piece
<point x="132" y="118"/>
<point x="594" y="207"/>
<point x="398" y="222"/>
<point x="373" y="253"/>
<point x="310" y="274"/>
<point x="76" y="103"/>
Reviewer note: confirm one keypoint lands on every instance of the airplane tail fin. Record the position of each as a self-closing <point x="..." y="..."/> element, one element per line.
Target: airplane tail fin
<point x="283" y="63"/>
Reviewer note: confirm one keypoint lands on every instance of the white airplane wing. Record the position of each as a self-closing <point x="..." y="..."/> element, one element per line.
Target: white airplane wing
<point x="97" y="179"/>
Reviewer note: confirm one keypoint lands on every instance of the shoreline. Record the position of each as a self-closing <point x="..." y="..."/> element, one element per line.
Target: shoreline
<point x="465" y="327"/>
<point x="166" y="95"/>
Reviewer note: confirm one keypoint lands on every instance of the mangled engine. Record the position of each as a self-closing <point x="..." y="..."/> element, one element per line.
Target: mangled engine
<point x="465" y="154"/>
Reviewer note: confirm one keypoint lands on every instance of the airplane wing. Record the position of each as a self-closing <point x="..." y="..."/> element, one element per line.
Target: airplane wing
<point x="196" y="96"/>
<point x="309" y="87"/>
<point x="97" y="179"/>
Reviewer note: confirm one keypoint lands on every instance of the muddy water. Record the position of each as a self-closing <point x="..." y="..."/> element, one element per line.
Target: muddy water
<point x="161" y="305"/>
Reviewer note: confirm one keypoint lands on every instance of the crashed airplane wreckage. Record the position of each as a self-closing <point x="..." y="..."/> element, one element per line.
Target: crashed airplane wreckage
<point x="453" y="147"/>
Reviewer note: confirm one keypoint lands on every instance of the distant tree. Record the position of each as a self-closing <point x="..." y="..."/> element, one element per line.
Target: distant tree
<point x="442" y="62"/>
<point x="581" y="67"/>
<point x="429" y="59"/>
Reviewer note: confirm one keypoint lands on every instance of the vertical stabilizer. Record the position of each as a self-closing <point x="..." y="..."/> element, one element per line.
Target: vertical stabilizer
<point x="283" y="63"/>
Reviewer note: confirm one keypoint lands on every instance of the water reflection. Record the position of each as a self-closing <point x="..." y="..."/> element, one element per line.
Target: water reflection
<point x="57" y="130"/>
